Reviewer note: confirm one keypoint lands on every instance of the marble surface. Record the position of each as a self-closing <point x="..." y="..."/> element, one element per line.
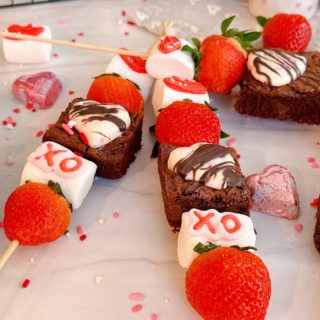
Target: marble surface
<point x="137" y="251"/>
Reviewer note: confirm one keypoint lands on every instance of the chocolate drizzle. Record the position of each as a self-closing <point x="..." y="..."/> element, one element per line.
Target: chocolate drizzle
<point x="81" y="107"/>
<point x="204" y="154"/>
<point x="282" y="59"/>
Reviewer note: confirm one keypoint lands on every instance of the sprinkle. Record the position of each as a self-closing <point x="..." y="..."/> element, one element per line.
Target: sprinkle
<point x="71" y="92"/>
<point x="166" y="300"/>
<point x="136" y="296"/>
<point x="55" y="55"/>
<point x="314" y="202"/>
<point x="25" y="283"/>
<point x="9" y="160"/>
<point x="238" y="156"/>
<point x="62" y="22"/>
<point x="71" y="123"/>
<point x="154" y="316"/>
<point x="79" y="230"/>
<point x="33" y="110"/>
<point x="66" y="120"/>
<point x="79" y="154"/>
<point x="80" y="34"/>
<point x="67" y="129"/>
<point x="84" y="138"/>
<point x="101" y="221"/>
<point x="14" y="123"/>
<point x="311" y="159"/>
<point x="1" y="224"/>
<point x="126" y="33"/>
<point x="16" y="110"/>
<point x="298" y="227"/>
<point x="29" y="106"/>
<point x="10" y="119"/>
<point x="231" y="142"/>
<point x="9" y="126"/>
<point x="4" y="122"/>
<point x="131" y="23"/>
<point x="39" y="134"/>
<point x="136" y="308"/>
<point x="98" y="279"/>
<point x="50" y="125"/>
<point x="315" y="165"/>
<point x="123" y="12"/>
<point x="31" y="260"/>
<point x="83" y="237"/>
<point x="116" y="214"/>
<point x="73" y="40"/>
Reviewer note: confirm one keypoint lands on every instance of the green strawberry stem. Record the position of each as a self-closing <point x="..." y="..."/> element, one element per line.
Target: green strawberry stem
<point x="201" y="248"/>
<point x="55" y="186"/>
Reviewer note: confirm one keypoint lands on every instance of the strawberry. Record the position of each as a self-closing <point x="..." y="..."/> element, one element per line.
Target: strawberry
<point x="230" y="284"/>
<point x="291" y="32"/>
<point x="111" y="88"/>
<point x="221" y="59"/>
<point x="35" y="214"/>
<point x="184" y="123"/>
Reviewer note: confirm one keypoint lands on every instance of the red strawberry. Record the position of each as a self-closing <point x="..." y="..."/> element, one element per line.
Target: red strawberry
<point x="114" y="89"/>
<point x="35" y="214"/>
<point x="221" y="61"/>
<point x="184" y="123"/>
<point x="291" y="32"/>
<point x="230" y="284"/>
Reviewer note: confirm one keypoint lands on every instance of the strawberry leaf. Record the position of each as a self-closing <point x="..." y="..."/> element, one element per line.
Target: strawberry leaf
<point x="210" y="106"/>
<point x="251" y="36"/>
<point x="108" y="74"/>
<point x="262" y="21"/>
<point x="134" y="84"/>
<point x="55" y="186"/>
<point x="196" y="42"/>
<point x="187" y="100"/>
<point x="226" y="23"/>
<point x="187" y="48"/>
<point x="202" y="248"/>
<point x="223" y="134"/>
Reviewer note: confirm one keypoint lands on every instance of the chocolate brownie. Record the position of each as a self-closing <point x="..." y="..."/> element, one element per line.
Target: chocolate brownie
<point x="298" y="100"/>
<point x="180" y="195"/>
<point x="113" y="158"/>
<point x="316" y="236"/>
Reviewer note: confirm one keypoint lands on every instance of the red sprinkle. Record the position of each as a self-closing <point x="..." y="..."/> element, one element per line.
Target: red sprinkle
<point x="311" y="159"/>
<point x="80" y="34"/>
<point x="79" y="154"/>
<point x="116" y="215"/>
<point x="315" y="203"/>
<point x="136" y="296"/>
<point x="33" y="110"/>
<point x="71" y="92"/>
<point x="16" y="110"/>
<point x="29" y="106"/>
<point x="131" y="23"/>
<point x="73" y="40"/>
<point x="298" y="227"/>
<point x="66" y="120"/>
<point x="84" y="138"/>
<point x="238" y="156"/>
<point x="25" y="283"/>
<point x="67" y="129"/>
<point x="55" y="55"/>
<point x="50" y="125"/>
<point x="5" y="122"/>
<point x="39" y="134"/>
<point x="126" y="33"/>
<point x="83" y="237"/>
<point x="13" y="123"/>
<point x="123" y="12"/>
<point x="136" y="308"/>
<point x="154" y="316"/>
<point x="79" y="230"/>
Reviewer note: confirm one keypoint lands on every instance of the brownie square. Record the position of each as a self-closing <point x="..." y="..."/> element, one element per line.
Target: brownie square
<point x="180" y="195"/>
<point x="316" y="236"/>
<point x="298" y="101"/>
<point x="112" y="159"/>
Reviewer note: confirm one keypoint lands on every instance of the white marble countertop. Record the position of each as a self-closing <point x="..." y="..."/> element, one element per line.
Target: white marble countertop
<point x="137" y="251"/>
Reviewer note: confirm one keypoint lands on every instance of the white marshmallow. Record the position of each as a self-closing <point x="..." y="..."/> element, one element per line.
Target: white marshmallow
<point x="175" y="63"/>
<point x="75" y="184"/>
<point x="26" y="51"/>
<point x="163" y="95"/>
<point x="143" y="80"/>
<point x="226" y="229"/>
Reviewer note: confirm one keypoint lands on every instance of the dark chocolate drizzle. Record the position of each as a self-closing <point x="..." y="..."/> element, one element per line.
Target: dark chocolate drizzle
<point x="204" y="154"/>
<point x="99" y="112"/>
<point x="281" y="58"/>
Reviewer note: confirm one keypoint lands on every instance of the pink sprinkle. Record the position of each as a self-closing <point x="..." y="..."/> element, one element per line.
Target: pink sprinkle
<point x="154" y="316"/>
<point x="29" y="106"/>
<point x="67" y="129"/>
<point x="315" y="165"/>
<point x="71" y="92"/>
<point x="73" y="40"/>
<point x="1" y="224"/>
<point x="126" y="33"/>
<point x="39" y="134"/>
<point x="50" y="125"/>
<point x="136" y="308"/>
<point x="123" y="12"/>
<point x="298" y="227"/>
<point x="10" y="119"/>
<point x="55" y="55"/>
<point x="80" y="34"/>
<point x="62" y="22"/>
<point x="116" y="215"/>
<point x="131" y="23"/>
<point x="231" y="142"/>
<point x="25" y="283"/>
<point x="311" y="159"/>
<point x="79" y="230"/>
<point x="136" y="296"/>
<point x="16" y="110"/>
<point x="83" y="237"/>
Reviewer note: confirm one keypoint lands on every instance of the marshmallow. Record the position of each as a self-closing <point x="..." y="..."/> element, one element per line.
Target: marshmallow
<point x="133" y="69"/>
<point x="166" y="59"/>
<point x="269" y="8"/>
<point x="26" y="51"/>
<point x="171" y="89"/>
<point x="224" y="229"/>
<point x="51" y="161"/>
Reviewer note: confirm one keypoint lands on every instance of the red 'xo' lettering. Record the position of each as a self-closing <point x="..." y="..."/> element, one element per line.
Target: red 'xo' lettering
<point x="64" y="164"/>
<point x="50" y="154"/>
<point x="29" y="29"/>
<point x="184" y="85"/>
<point x="169" y="44"/>
<point x="235" y="220"/>
<point x="204" y="221"/>
<point x="136" y="64"/>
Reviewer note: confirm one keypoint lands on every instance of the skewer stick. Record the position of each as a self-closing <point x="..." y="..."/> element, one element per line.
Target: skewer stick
<point x="7" y="254"/>
<point x="73" y="44"/>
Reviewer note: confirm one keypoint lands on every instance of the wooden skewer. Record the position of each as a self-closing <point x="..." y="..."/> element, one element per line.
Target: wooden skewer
<point x="73" y="44"/>
<point x="7" y="254"/>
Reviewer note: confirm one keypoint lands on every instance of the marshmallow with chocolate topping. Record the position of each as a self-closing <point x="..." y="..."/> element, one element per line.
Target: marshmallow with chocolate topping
<point x="52" y="161"/>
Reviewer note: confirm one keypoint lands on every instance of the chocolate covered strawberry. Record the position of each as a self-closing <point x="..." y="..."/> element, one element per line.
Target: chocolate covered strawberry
<point x="35" y="214"/>
<point x="184" y="123"/>
<point x="111" y="88"/>
<point x="221" y="59"/>
<point x="228" y="283"/>
<point x="291" y="32"/>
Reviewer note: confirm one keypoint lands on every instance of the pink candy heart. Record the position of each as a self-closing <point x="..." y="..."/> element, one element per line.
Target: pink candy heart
<point x="41" y="89"/>
<point x="274" y="192"/>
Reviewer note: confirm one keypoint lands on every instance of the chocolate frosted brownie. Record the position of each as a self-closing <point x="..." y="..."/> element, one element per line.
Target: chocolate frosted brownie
<point x="112" y="146"/>
<point x="316" y="236"/>
<point x="203" y="176"/>
<point x="278" y="85"/>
